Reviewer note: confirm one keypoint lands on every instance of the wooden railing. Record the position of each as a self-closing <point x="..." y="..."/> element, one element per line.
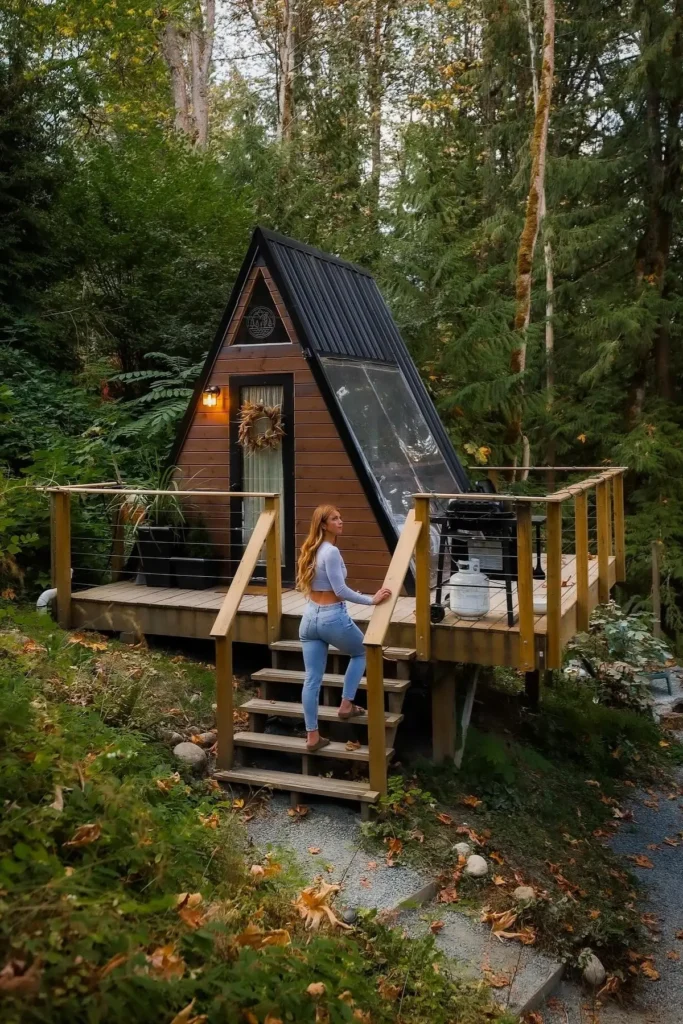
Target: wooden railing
<point x="266" y="531"/>
<point x="608" y="485"/>
<point x="375" y="634"/>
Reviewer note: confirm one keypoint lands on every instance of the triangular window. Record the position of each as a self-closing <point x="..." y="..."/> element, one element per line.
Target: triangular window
<point x="261" y="323"/>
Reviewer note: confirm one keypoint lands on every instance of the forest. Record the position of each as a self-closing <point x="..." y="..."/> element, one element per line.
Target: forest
<point x="509" y="171"/>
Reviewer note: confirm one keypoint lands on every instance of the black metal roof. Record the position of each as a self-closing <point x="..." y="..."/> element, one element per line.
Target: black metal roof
<point x="341" y="312"/>
<point x="337" y="310"/>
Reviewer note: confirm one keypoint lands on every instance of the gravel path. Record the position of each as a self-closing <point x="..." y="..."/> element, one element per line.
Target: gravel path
<point x="655" y="1002"/>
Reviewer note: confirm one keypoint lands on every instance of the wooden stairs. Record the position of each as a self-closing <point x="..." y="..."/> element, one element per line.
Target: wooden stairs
<point x="280" y="687"/>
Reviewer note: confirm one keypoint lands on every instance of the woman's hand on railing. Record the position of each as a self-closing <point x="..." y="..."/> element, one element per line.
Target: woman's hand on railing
<point x="383" y="594"/>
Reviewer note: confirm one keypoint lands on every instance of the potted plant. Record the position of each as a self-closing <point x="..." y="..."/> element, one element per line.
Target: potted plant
<point x="157" y="520"/>
<point x="194" y="565"/>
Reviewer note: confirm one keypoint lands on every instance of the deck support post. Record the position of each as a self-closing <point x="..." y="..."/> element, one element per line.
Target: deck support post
<point x="581" y="538"/>
<point x="444" y="721"/>
<point x="525" y="588"/>
<point x="554" y="584"/>
<point x="619" y="527"/>
<point x="423" y="625"/>
<point x="224" y="710"/>
<point x="377" y="740"/>
<point x="532" y="688"/>
<point x="274" y="570"/>
<point x="602" y="501"/>
<point x="61" y="515"/>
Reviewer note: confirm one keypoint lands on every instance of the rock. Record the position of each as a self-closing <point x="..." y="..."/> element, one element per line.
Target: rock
<point x="175" y="738"/>
<point x="463" y="849"/>
<point x="476" y="866"/>
<point x="191" y="754"/>
<point x="594" y="973"/>
<point x="194" y="698"/>
<point x="524" y="894"/>
<point x="349" y="916"/>
<point x="672" y="720"/>
<point x="207" y="739"/>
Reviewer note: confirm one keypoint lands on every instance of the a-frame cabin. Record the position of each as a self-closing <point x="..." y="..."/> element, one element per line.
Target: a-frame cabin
<point x="309" y="396"/>
<point x="312" y="335"/>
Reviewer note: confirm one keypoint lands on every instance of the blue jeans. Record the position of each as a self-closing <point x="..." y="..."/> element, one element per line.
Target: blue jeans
<point x="322" y="625"/>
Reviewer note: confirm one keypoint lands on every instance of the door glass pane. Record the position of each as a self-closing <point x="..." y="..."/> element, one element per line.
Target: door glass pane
<point x="263" y="468"/>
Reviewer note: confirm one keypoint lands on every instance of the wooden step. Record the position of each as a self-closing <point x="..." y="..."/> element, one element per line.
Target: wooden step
<point x="390" y="653"/>
<point x="288" y="709"/>
<point x="297" y="745"/>
<point x="285" y="675"/>
<point x="299" y="783"/>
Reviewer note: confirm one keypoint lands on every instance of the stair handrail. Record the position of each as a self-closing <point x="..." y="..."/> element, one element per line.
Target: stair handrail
<point x="375" y="634"/>
<point x="266" y="531"/>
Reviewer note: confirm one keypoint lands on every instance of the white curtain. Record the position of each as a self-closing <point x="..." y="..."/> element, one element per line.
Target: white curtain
<point x="262" y="469"/>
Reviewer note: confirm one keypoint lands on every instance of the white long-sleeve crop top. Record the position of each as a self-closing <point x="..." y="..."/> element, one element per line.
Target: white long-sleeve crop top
<point x="330" y="574"/>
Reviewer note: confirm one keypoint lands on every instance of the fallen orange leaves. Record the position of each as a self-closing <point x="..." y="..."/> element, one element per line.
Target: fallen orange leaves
<point x="85" y="834"/>
<point x="313" y="906"/>
<point x="165" y="963"/>
<point x="257" y="938"/>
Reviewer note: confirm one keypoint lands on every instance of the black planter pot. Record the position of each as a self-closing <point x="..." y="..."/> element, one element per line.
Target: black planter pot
<point x="194" y="573"/>
<point x="155" y="544"/>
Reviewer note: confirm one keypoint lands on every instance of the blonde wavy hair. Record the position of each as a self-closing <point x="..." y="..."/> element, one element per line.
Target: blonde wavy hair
<point x="309" y="548"/>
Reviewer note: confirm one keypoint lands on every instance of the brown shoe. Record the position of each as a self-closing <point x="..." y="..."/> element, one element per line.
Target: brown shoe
<point x="322" y="742"/>
<point x="355" y="712"/>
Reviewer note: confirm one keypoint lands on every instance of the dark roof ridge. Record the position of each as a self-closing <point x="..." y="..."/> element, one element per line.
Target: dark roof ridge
<point x="310" y="250"/>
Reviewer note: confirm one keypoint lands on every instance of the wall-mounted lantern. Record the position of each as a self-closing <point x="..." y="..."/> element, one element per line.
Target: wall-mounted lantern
<point x="210" y="397"/>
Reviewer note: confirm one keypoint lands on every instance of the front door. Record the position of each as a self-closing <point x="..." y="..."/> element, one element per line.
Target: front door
<point x="262" y="469"/>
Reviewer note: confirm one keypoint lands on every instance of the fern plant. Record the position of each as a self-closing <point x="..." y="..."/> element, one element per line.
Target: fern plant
<point x="169" y="386"/>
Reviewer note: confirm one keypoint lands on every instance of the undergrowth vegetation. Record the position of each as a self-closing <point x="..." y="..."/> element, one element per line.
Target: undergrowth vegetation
<point x="128" y="891"/>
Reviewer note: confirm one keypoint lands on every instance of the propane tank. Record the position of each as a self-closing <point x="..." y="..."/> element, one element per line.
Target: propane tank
<point x="468" y="590"/>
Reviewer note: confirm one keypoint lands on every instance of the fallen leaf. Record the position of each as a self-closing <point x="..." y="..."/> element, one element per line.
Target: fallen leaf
<point x="210" y="820"/>
<point x="18" y="980"/>
<point x="673" y="955"/>
<point x="649" y="971"/>
<point x="394" y="848"/>
<point x="58" y="802"/>
<point x="165" y="963"/>
<point x="31" y="647"/>
<point x="313" y="906"/>
<point x="435" y="927"/>
<point x="470" y="801"/>
<point x="663" y="743"/>
<point x="188" y="905"/>
<point x="362" y="1016"/>
<point x="417" y="835"/>
<point x="111" y="965"/>
<point x="257" y="938"/>
<point x="448" y="895"/>
<point x="272" y="1020"/>
<point x="445" y="819"/>
<point x="85" y="834"/>
<point x="352" y="745"/>
<point x="387" y="990"/>
<point x="300" y="811"/>
<point x="494" y="855"/>
<point x="501" y="980"/>
<point x="594" y="914"/>
<point x="166" y="785"/>
<point x="679" y="936"/>
<point x="372" y="864"/>
<point x="498" y="880"/>
<point x="259" y="871"/>
<point x="314" y="849"/>
<point x="671" y="842"/>
<point x="592" y="782"/>
<point x="500" y="921"/>
<point x="93" y="645"/>
<point x="641" y="860"/>
<point x="533" y="1017"/>
<point x="185" y="1016"/>
<point x="316" y="989"/>
<point x="653" y="846"/>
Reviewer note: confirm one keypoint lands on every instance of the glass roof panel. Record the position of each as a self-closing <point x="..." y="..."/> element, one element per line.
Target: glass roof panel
<point x="391" y="431"/>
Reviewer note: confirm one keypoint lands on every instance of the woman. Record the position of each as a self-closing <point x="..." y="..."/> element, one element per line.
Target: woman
<point x="321" y="577"/>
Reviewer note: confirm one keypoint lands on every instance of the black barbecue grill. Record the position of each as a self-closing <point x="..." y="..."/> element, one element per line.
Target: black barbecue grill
<point x="486" y="530"/>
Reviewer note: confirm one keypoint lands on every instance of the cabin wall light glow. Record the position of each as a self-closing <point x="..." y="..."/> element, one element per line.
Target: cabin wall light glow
<point x="210" y="397"/>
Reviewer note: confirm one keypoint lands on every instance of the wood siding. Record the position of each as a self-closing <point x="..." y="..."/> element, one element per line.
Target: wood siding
<point x="323" y="470"/>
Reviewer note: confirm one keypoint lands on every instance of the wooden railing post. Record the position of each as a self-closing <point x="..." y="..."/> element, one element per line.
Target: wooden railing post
<point x="581" y="535"/>
<point x="602" y="502"/>
<point x="274" y="571"/>
<point x="525" y="589"/>
<point x="423" y="626"/>
<point x="619" y="527"/>
<point x="118" y="550"/>
<point x="553" y="528"/>
<point x="224" y="708"/>
<point x="61" y="513"/>
<point x="377" y="740"/>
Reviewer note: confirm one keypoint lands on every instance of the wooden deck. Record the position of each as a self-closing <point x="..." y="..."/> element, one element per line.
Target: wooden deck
<point x="191" y="613"/>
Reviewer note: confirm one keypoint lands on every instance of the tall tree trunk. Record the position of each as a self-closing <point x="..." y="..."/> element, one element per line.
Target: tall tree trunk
<point x="375" y="92"/>
<point x="187" y="51"/>
<point x="287" y="50"/>
<point x="534" y="209"/>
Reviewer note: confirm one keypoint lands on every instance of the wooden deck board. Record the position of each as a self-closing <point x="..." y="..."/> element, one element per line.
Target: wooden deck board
<point x="169" y="612"/>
